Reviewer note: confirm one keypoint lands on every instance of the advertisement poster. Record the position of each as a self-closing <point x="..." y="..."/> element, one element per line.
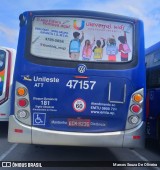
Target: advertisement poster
<point x="84" y="39"/>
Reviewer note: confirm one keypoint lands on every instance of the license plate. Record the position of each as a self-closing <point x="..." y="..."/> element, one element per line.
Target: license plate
<point x="79" y="122"/>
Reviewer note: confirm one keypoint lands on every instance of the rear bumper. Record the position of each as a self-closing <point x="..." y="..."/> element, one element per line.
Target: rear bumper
<point x="48" y="137"/>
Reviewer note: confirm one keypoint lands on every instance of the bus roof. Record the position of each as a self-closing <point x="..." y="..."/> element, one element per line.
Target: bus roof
<point x="152" y="48"/>
<point x="12" y="50"/>
<point x="8" y="48"/>
<point x="81" y="13"/>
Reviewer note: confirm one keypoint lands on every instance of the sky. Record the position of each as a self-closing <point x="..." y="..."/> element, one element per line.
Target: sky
<point x="146" y="10"/>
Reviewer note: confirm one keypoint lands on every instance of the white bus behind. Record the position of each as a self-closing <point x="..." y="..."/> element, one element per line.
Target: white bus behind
<point x="7" y="61"/>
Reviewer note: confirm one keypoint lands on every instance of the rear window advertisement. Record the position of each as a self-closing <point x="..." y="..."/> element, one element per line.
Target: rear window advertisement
<point x="2" y="70"/>
<point x="81" y="39"/>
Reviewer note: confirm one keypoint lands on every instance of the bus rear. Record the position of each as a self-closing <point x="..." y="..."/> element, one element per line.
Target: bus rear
<point x="79" y="80"/>
<point x="7" y="60"/>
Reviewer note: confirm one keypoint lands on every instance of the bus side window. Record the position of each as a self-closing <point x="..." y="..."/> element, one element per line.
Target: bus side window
<point x="2" y="62"/>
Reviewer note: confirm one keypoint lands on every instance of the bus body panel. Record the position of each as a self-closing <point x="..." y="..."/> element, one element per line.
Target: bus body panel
<point x="22" y="133"/>
<point x="59" y="103"/>
<point x="6" y="79"/>
<point x="64" y="103"/>
<point x="50" y="137"/>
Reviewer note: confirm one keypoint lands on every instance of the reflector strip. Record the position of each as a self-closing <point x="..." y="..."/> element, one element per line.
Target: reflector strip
<point x="136" y="137"/>
<point x="18" y="130"/>
<point x="2" y="114"/>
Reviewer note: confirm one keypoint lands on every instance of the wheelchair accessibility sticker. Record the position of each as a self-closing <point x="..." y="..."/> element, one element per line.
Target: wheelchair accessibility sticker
<point x="39" y="118"/>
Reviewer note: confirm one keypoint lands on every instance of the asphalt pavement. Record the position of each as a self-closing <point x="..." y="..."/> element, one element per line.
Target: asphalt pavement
<point x="26" y="152"/>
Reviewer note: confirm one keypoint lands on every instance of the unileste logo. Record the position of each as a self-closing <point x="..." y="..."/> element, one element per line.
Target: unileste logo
<point x="78" y="27"/>
<point x="26" y="77"/>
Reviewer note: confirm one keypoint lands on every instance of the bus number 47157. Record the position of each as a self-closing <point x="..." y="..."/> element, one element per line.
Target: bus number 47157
<point x="73" y="84"/>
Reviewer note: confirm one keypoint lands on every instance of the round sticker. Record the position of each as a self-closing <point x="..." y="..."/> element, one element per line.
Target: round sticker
<point x="79" y="105"/>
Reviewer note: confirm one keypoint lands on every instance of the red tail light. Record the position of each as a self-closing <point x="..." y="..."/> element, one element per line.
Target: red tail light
<point x="2" y="114"/>
<point x="22" y="102"/>
<point x="135" y="108"/>
<point x="136" y="137"/>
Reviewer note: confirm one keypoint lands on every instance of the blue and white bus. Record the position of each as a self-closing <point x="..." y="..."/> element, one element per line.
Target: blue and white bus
<point x="153" y="91"/>
<point x="7" y="61"/>
<point x="79" y="80"/>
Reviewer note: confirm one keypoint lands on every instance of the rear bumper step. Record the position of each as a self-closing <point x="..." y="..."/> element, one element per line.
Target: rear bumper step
<point x="50" y="137"/>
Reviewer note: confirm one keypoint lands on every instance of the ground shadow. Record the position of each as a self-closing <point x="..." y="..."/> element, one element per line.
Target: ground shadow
<point x="3" y="129"/>
<point x="80" y="155"/>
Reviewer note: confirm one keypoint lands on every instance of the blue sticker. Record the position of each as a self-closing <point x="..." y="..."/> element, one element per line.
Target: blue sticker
<point x="39" y="118"/>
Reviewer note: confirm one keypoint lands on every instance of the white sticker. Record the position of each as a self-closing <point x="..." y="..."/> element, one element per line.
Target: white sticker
<point x="79" y="105"/>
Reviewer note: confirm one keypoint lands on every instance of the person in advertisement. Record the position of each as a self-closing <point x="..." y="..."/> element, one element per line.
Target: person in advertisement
<point x="87" y="50"/>
<point x="124" y="47"/>
<point x="111" y="49"/>
<point x="98" y="49"/>
<point x="75" y="44"/>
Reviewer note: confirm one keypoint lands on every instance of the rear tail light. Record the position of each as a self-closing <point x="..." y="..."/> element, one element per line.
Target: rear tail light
<point x="136" y="102"/>
<point x="135" y="108"/>
<point x="23" y="102"/>
<point x="23" y="114"/>
<point x="133" y="119"/>
<point x="137" y="98"/>
<point x="21" y="91"/>
<point x="135" y="111"/>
